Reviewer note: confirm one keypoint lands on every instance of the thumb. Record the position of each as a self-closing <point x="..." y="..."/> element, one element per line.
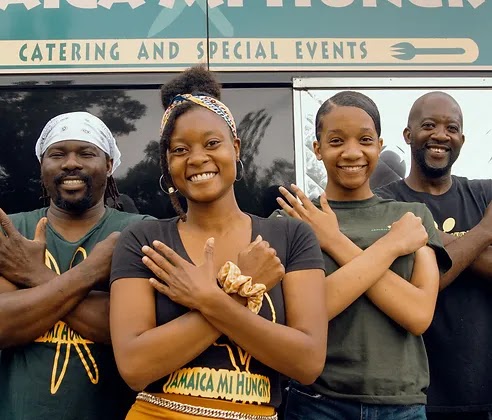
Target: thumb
<point x="254" y="243"/>
<point x="40" y="233"/>
<point x="324" y="203"/>
<point x="209" y="253"/>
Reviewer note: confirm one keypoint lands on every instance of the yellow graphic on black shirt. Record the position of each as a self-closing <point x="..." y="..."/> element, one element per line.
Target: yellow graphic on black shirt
<point x="67" y="339"/>
<point x="238" y="385"/>
<point x="448" y="225"/>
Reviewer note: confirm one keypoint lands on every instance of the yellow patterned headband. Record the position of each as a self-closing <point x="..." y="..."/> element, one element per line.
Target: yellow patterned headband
<point x="205" y="101"/>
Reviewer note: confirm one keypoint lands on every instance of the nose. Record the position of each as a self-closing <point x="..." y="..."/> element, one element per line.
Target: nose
<point x="440" y="134"/>
<point x="198" y="156"/>
<point x="352" y="151"/>
<point x="71" y="162"/>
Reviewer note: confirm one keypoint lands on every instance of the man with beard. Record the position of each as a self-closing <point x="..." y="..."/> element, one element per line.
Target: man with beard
<point x="56" y="360"/>
<point x="458" y="343"/>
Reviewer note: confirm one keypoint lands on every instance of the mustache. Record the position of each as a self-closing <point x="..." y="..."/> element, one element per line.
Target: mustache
<point x="58" y="180"/>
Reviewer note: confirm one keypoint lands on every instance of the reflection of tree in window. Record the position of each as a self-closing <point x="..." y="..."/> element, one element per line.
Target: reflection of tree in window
<point x="141" y="181"/>
<point x="23" y="116"/>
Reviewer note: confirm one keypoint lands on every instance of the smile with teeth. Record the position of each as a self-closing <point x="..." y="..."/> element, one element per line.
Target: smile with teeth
<point x="202" y="177"/>
<point x="437" y="149"/>
<point x="352" y="168"/>
<point x="73" y="182"/>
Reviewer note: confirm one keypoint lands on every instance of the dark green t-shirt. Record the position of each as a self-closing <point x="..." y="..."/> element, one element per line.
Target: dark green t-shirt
<point x="370" y="358"/>
<point x="62" y="375"/>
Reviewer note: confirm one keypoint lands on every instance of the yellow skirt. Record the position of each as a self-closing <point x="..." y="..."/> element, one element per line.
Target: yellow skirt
<point x="143" y="410"/>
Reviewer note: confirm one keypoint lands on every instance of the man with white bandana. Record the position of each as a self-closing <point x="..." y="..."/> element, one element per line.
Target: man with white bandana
<point x="56" y="360"/>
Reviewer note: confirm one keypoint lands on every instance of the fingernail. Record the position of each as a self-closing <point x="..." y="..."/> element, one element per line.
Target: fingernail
<point x="145" y="259"/>
<point x="145" y="248"/>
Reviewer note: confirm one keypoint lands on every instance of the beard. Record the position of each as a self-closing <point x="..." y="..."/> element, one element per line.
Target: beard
<point x="432" y="171"/>
<point x="77" y="206"/>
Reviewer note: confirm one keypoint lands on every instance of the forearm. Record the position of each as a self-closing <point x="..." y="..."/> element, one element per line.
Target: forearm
<point x="28" y="313"/>
<point x="464" y="252"/>
<point x="90" y="318"/>
<point x="358" y="272"/>
<point x="162" y="350"/>
<point x="286" y="350"/>
<point x="482" y="266"/>
<point x="410" y="304"/>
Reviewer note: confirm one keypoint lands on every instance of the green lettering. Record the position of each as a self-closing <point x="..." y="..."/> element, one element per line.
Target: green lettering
<point x="183" y="380"/>
<point x="100" y="51"/>
<point x="202" y="382"/>
<point x="142" y="53"/>
<point x="191" y="382"/>
<point x="76" y="52"/>
<point x="274" y="54"/>
<point x="338" y="50"/>
<point x="210" y="384"/>
<point x="115" y="54"/>
<point x="260" y="51"/>
<point x="299" y="50"/>
<point x="363" y="49"/>
<point x="240" y="384"/>
<point x="223" y="387"/>
<point x="158" y="50"/>
<point x="173" y="50"/>
<point x="22" y="53"/>
<point x="36" y="54"/>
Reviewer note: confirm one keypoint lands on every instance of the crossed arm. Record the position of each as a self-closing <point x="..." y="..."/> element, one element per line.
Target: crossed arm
<point x="410" y="304"/>
<point x="146" y="352"/>
<point x="33" y="297"/>
<point x="471" y="251"/>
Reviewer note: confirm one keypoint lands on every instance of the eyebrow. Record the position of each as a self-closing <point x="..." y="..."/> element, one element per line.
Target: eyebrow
<point x="337" y="130"/>
<point x="205" y="134"/>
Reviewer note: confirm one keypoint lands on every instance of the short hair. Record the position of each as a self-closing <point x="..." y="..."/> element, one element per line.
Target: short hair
<point x="349" y="98"/>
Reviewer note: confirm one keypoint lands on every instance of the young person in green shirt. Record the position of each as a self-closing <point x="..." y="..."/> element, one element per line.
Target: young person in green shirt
<point x="56" y="360"/>
<point x="376" y="365"/>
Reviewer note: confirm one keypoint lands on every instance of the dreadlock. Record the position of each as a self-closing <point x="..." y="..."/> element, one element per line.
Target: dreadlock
<point x="194" y="80"/>
<point x="113" y="193"/>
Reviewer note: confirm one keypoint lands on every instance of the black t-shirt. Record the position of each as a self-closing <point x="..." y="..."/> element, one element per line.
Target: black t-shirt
<point x="224" y="370"/>
<point x="459" y="342"/>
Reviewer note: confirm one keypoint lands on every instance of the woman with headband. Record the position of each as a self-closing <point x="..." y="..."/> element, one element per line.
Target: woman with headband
<point x="199" y="321"/>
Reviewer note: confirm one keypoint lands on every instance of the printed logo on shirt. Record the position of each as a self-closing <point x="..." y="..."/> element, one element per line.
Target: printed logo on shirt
<point x="238" y="385"/>
<point x="230" y="385"/>
<point x="448" y="225"/>
<point x="66" y="339"/>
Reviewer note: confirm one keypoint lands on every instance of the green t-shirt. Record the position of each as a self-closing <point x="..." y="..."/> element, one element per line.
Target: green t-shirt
<point x="62" y="375"/>
<point x="370" y="358"/>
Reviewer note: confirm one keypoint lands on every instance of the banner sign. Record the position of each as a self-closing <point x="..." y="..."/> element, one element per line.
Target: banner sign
<point x="41" y="36"/>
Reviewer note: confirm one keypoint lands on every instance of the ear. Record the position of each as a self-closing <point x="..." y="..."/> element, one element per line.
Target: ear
<point x="462" y="139"/>
<point x="237" y="147"/>
<point x="109" y="167"/>
<point x="316" y="148"/>
<point x="406" y="135"/>
<point x="380" y="142"/>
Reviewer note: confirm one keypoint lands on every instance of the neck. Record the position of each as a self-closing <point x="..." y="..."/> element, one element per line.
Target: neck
<point x="73" y="226"/>
<point x="417" y="181"/>
<point x="338" y="193"/>
<point x="217" y="216"/>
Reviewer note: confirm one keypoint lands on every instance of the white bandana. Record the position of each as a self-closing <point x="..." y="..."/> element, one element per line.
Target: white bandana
<point x="80" y="126"/>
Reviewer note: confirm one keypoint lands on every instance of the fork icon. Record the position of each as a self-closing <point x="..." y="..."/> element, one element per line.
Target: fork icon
<point x="407" y="51"/>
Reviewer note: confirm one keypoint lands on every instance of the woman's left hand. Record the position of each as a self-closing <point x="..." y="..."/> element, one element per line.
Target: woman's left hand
<point x="184" y="283"/>
<point x="323" y="222"/>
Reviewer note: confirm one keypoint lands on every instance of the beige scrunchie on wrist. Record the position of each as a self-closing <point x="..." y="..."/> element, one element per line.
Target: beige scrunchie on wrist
<point x="232" y="281"/>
